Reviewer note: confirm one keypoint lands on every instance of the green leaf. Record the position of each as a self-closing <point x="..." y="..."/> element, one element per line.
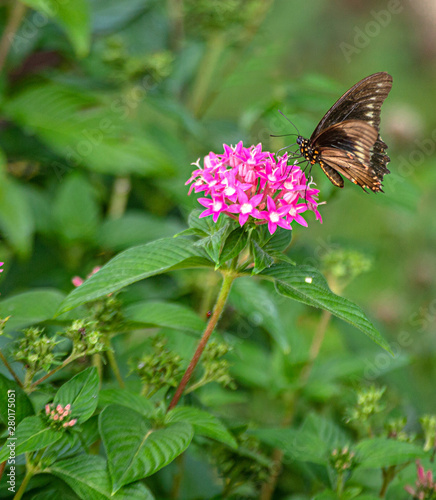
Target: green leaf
<point x="72" y="16"/>
<point x="262" y="259"/>
<point x="88" y="476"/>
<point x="75" y="210"/>
<point x="281" y="438"/>
<point x="29" y="308"/>
<point x="136" y="264"/>
<point x="279" y="241"/>
<point x="85" y="129"/>
<point x="81" y="392"/>
<point x="32" y="434"/>
<point x="317" y="438"/>
<point x="135" y="228"/>
<point x="123" y="397"/>
<point x="326" y="495"/>
<point x="235" y="242"/>
<point x="383" y="452"/>
<point x="260" y="306"/>
<point x="134" y="449"/>
<point x="16" y="220"/>
<point x="312" y="442"/>
<point x="14" y="402"/>
<point x="306" y="284"/>
<point x="165" y="314"/>
<point x="204" y="424"/>
<point x="213" y="243"/>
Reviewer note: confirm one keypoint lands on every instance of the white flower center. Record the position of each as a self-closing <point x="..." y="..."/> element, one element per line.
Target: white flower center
<point x="246" y="208"/>
<point x="217" y="206"/>
<point x="274" y="217"/>
<point x="229" y="191"/>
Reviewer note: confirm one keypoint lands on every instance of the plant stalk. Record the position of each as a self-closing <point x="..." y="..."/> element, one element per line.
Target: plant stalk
<point x="119" y="198"/>
<point x="277" y="457"/>
<point x="22" y="489"/>
<point x="52" y="372"/>
<point x="14" y="21"/>
<point x="11" y="370"/>
<point x="219" y="306"/>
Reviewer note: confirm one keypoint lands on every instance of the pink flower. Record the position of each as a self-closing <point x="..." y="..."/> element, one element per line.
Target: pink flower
<point x="425" y="487"/>
<point x="77" y="280"/>
<point x="274" y="215"/>
<point x="1" y="263"/>
<point x="253" y="186"/>
<point x="214" y="207"/>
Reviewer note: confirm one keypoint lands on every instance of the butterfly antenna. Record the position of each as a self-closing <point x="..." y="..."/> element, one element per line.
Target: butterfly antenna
<point x="298" y="132"/>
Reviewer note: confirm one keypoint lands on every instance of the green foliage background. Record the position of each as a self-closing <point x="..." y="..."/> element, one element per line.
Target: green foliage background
<point x="104" y="104"/>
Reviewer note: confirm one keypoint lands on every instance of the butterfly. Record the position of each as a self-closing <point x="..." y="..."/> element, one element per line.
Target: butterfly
<point x="346" y="142"/>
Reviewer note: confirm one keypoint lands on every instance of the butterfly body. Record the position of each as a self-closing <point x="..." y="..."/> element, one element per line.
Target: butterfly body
<point x="346" y="142"/>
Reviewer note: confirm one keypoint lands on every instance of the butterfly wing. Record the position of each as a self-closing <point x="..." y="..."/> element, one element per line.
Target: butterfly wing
<point x="362" y="102"/>
<point x="345" y="149"/>
<point x="355" y="113"/>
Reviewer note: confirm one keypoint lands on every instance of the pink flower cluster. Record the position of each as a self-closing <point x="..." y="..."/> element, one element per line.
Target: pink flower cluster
<point x="77" y="280"/>
<point x="425" y="485"/>
<point x="249" y="182"/>
<point x="59" y="414"/>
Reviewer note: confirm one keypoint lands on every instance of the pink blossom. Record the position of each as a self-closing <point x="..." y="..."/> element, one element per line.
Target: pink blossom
<point x="425" y="488"/>
<point x="77" y="280"/>
<point x="253" y="186"/>
<point x="1" y="263"/>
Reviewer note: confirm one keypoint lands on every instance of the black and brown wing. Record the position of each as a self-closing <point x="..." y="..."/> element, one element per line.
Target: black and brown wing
<point x="346" y="149"/>
<point x="362" y="102"/>
<point x="351" y="126"/>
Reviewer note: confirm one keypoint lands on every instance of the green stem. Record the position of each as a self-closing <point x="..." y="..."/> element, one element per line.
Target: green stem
<point x="235" y="60"/>
<point x="388" y="476"/>
<point x="97" y="362"/>
<point x="175" y="12"/>
<point x="70" y="358"/>
<point x="340" y="484"/>
<point x="277" y="457"/>
<point x="214" y="49"/>
<point x="219" y="306"/>
<point x="113" y="364"/>
<point x="197" y="385"/>
<point x="14" y="21"/>
<point x="27" y="478"/>
<point x="11" y="370"/>
<point x="119" y="197"/>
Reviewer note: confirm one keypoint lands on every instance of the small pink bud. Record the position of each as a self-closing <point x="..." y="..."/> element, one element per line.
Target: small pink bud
<point x="77" y="281"/>
<point x="66" y="412"/>
<point x="68" y="407"/>
<point x="95" y="270"/>
<point x="65" y="424"/>
<point x="410" y="490"/>
<point x="56" y="417"/>
<point x="47" y="409"/>
<point x="72" y="422"/>
<point x="429" y="478"/>
<point x="421" y="474"/>
<point x="59" y="409"/>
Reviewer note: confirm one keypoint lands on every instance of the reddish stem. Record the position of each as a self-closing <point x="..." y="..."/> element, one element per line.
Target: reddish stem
<point x="219" y="306"/>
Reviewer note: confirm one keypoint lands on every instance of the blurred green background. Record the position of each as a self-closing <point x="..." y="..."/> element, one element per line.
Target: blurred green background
<point x="105" y="103"/>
